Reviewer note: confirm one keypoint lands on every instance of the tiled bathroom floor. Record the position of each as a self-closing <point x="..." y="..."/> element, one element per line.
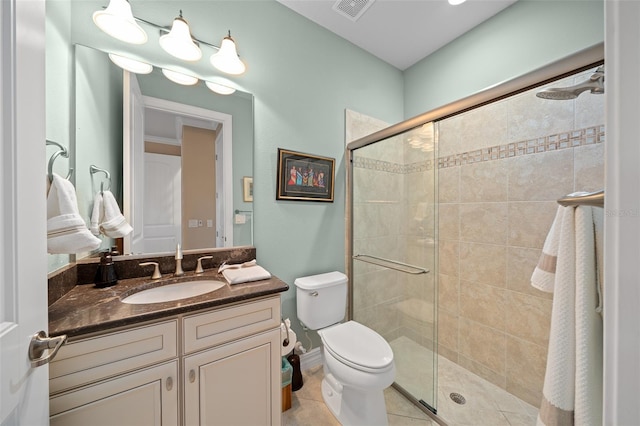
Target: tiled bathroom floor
<point x="487" y="404"/>
<point x="308" y="409"/>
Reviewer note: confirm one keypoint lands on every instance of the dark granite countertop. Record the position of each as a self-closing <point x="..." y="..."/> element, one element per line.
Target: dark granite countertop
<point x="87" y="309"/>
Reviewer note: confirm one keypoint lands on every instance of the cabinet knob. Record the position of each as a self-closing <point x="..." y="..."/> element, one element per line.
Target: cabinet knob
<point x="192" y="376"/>
<point x="169" y="383"/>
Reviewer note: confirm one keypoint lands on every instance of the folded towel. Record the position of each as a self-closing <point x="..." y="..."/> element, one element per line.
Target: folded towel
<point x="245" y="272"/>
<point x="113" y="223"/>
<point x="97" y="214"/>
<point x="66" y="230"/>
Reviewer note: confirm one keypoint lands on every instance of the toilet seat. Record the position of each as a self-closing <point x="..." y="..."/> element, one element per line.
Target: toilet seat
<point x="358" y="346"/>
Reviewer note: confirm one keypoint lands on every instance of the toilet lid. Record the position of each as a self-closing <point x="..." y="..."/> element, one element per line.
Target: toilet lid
<point x="357" y="345"/>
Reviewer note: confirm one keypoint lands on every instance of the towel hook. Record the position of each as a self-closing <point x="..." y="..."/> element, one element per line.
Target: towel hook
<point x="62" y="151"/>
<point x="95" y="169"/>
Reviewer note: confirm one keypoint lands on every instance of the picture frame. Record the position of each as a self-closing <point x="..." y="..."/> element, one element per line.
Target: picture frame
<point x="304" y="177"/>
<point x="247" y="189"/>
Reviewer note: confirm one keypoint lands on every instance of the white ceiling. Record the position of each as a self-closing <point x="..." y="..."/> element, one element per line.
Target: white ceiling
<point x="400" y="32"/>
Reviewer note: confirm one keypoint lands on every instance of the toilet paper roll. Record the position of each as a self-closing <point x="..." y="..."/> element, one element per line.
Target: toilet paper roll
<point x="284" y="350"/>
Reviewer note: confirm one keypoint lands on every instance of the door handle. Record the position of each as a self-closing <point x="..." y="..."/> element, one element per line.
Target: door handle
<point x="40" y="343"/>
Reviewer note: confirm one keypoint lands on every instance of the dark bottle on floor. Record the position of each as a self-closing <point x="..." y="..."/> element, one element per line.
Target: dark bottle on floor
<point x="296" y="380"/>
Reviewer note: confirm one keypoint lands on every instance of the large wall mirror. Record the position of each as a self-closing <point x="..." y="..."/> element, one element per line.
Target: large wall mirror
<point x="179" y="165"/>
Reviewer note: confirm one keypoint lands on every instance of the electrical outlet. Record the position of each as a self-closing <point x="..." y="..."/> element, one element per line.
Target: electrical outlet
<point x="209" y="223"/>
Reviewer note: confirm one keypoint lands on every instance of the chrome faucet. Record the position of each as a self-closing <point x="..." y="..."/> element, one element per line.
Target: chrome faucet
<point x="179" y="270"/>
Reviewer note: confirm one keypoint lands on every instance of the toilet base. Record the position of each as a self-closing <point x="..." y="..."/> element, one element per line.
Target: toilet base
<point x="354" y="407"/>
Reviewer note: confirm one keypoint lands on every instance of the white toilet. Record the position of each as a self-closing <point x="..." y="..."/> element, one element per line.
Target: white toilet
<point x="358" y="362"/>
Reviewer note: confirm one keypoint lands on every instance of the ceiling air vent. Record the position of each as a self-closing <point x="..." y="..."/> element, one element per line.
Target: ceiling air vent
<point x="352" y="9"/>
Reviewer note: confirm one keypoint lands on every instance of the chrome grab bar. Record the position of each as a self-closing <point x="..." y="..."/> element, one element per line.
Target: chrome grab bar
<point x="376" y="261"/>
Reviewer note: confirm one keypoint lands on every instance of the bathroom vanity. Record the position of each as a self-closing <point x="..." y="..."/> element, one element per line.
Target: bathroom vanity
<point x="209" y="359"/>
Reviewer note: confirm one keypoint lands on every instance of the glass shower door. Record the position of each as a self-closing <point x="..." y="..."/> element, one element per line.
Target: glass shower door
<point x="393" y="248"/>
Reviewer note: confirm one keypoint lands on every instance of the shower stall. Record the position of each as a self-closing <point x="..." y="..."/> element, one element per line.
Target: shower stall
<point x="446" y="216"/>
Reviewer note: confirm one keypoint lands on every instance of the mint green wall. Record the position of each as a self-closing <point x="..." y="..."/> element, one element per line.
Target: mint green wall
<point x="303" y="78"/>
<point x="98" y="126"/>
<point x="527" y="35"/>
<point x="59" y="87"/>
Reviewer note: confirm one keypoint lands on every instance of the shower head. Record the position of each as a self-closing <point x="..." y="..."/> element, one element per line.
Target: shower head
<point x="595" y="84"/>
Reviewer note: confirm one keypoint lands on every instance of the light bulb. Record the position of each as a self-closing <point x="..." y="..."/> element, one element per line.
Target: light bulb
<point x="118" y="21"/>
<point x="180" y="78"/>
<point x="179" y="43"/>
<point x="227" y="60"/>
<point x="131" y="65"/>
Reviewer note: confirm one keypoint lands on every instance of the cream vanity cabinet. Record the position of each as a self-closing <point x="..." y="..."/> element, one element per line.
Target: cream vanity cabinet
<point x="214" y="367"/>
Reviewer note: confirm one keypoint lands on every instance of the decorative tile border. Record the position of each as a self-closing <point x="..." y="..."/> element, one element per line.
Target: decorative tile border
<point x="572" y="139"/>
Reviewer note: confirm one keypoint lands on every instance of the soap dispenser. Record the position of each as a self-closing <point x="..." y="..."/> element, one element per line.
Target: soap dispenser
<point x="106" y="273"/>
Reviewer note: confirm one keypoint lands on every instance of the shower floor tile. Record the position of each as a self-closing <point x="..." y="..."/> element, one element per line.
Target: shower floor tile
<point x="486" y="403"/>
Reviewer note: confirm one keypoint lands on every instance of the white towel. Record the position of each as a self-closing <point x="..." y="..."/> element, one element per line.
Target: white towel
<point x="113" y="223"/>
<point x="572" y="392"/>
<point x="66" y="230"/>
<point x="96" y="214"/>
<point x="244" y="272"/>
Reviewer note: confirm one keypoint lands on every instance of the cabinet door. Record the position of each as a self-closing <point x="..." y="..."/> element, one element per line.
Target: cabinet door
<point x="235" y="384"/>
<point x="146" y="397"/>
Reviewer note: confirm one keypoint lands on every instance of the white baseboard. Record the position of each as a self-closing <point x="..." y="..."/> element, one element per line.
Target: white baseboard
<point x="311" y="359"/>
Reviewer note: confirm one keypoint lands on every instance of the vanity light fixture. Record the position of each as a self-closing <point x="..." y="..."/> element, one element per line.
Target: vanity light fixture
<point x="220" y="89"/>
<point x="456" y="2"/>
<point x="227" y="60"/>
<point x="118" y="21"/>
<point x="179" y="43"/>
<point x="180" y="78"/>
<point x="131" y="65"/>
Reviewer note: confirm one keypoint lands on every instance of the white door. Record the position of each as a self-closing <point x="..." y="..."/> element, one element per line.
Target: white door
<point x="162" y="202"/>
<point x="24" y="389"/>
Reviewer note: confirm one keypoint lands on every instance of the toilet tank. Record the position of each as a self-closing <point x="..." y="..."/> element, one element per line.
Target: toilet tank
<point x="321" y="299"/>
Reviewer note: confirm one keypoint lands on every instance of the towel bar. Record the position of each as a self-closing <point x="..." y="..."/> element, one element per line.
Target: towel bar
<point x="595" y="199"/>
<point x="391" y="264"/>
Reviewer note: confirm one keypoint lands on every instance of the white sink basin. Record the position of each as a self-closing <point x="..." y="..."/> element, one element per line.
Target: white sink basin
<point x="169" y="292"/>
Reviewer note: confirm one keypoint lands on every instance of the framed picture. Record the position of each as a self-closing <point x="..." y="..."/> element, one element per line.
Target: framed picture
<point x="247" y="189"/>
<point x="304" y="177"/>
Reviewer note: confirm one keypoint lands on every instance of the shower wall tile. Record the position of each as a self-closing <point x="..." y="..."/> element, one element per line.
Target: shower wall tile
<point x="520" y="265"/>
<point x="449" y="354"/>
<point x="589" y="167"/>
<point x="485" y="181"/>
<point x="449" y="133"/>
<point x="448" y="330"/>
<point x="526" y="364"/>
<point x="483" y="371"/>
<point x="484" y="304"/>
<point x="448" y="293"/>
<point x="589" y="109"/>
<point x="359" y="125"/>
<point x="376" y="288"/>
<point x="541" y="177"/>
<point x="449" y="221"/>
<point x="449" y="185"/>
<point x="449" y="257"/>
<point x="484" y="222"/>
<point x="483" y="263"/>
<point x="483" y="127"/>
<point x="529" y="222"/>
<point x="528" y="317"/>
<point x="483" y="345"/>
<point x="531" y="117"/>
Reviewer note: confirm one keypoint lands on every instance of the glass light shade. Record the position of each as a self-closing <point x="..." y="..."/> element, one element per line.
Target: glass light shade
<point x="131" y="64"/>
<point x="218" y="88"/>
<point x="456" y="2"/>
<point x="227" y="60"/>
<point x="180" y="78"/>
<point x="179" y="43"/>
<point x="118" y="21"/>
